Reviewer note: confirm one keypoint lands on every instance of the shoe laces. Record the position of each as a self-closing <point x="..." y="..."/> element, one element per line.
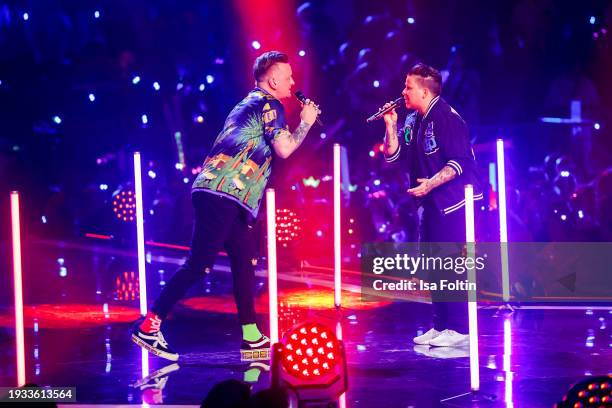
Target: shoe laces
<point x="161" y="340"/>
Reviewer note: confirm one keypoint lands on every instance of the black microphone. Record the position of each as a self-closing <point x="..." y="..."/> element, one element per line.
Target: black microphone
<point x="302" y="98"/>
<point x="381" y="112"/>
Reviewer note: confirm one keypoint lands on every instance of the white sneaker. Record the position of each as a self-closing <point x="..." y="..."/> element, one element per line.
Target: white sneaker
<point x="449" y="338"/>
<point x="427" y="337"/>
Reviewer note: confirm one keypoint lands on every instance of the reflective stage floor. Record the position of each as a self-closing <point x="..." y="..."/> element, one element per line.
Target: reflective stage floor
<point x="80" y="307"/>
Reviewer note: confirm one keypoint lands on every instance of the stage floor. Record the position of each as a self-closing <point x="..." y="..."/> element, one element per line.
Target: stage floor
<point x="78" y="334"/>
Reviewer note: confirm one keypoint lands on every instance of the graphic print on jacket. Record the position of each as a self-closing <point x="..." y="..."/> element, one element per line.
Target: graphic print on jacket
<point x="239" y="163"/>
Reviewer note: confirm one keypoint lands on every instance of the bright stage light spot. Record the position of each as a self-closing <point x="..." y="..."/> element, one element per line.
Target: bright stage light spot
<point x="210" y="79"/>
<point x="256" y="45"/>
<point x="57" y="119"/>
<point x="565" y="173"/>
<point x="156" y="86"/>
<point x="319" y="233"/>
<point x="323" y="135"/>
<point x="185" y="180"/>
<point x="372" y="154"/>
<point x="96" y="14"/>
<point x="202" y="87"/>
<point x="580" y="214"/>
<point x="592" y="20"/>
<point x="410" y="20"/>
<point x="377" y="182"/>
<point x="179" y="86"/>
<point x="563" y="217"/>
<point x="63" y="272"/>
<point x="26" y="16"/>
<point x="136" y="79"/>
<point x="301" y="53"/>
<point x="312" y="298"/>
<point x="43" y="219"/>
<point x="200" y="119"/>
<point x="103" y="187"/>
<point x="144" y="119"/>
<point x="152" y="174"/>
<point x="597" y="126"/>
<point x="376" y="84"/>
<point x="91" y="97"/>
<point x="56" y="316"/>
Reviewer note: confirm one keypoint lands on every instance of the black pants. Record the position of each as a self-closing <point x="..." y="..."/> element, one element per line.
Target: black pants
<point x="449" y="309"/>
<point x="219" y="223"/>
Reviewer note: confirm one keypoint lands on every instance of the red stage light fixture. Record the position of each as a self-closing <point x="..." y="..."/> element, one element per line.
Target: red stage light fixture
<point x="124" y="206"/>
<point x="287" y="226"/>
<point x="310" y="361"/>
<point x="592" y="392"/>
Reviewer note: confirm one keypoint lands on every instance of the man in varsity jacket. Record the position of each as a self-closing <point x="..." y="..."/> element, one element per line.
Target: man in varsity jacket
<point x="434" y="145"/>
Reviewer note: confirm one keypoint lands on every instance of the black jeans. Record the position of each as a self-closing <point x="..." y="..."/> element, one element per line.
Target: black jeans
<point x="449" y="309"/>
<point x="219" y="223"/>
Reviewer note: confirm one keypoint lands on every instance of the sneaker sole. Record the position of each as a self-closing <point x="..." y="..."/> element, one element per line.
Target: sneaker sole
<point x="422" y="342"/>
<point x="255" y="355"/>
<point x="455" y="344"/>
<point x="152" y="350"/>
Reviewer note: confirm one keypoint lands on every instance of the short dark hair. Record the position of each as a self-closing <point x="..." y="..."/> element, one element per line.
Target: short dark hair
<point x="265" y="61"/>
<point x="429" y="77"/>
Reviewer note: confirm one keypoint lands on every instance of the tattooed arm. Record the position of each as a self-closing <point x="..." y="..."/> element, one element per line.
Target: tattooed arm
<point x="286" y="143"/>
<point x="391" y="140"/>
<point x="443" y="176"/>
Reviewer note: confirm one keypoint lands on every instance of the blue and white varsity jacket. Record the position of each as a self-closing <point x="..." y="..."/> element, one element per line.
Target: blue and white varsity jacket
<point x="431" y="141"/>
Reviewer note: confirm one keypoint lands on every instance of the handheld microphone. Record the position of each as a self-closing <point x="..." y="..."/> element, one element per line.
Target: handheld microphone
<point x="302" y="98"/>
<point x="381" y="112"/>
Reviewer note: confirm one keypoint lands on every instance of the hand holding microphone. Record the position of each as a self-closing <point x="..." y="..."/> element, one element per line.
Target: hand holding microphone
<point x="310" y="110"/>
<point x="387" y="112"/>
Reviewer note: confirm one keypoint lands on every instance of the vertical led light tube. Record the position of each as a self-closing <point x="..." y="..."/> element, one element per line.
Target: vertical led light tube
<point x="272" y="271"/>
<point x="470" y="238"/>
<point x="503" y="222"/>
<point x="18" y="290"/>
<point x="337" y="228"/>
<point x="508" y="362"/>
<point x="142" y="276"/>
